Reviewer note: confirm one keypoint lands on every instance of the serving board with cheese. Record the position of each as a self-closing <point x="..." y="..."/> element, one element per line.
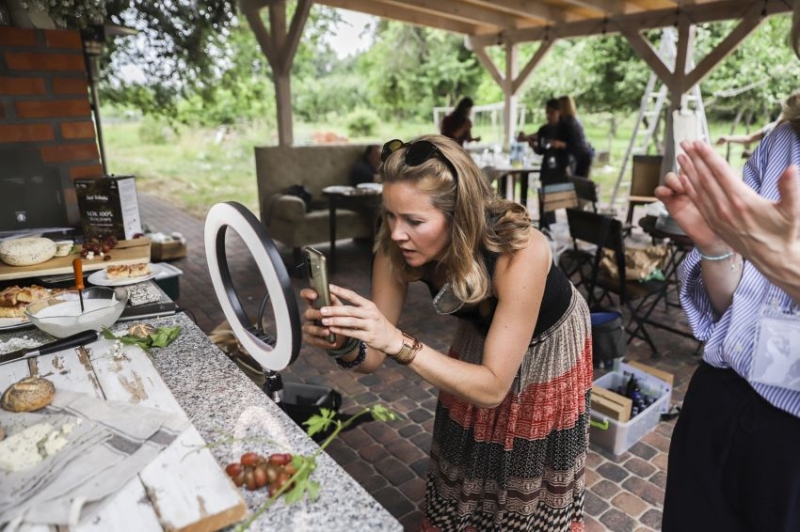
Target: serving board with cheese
<point x="125" y="252"/>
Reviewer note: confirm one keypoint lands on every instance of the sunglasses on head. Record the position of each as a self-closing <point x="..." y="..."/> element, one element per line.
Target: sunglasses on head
<point x="417" y="153"/>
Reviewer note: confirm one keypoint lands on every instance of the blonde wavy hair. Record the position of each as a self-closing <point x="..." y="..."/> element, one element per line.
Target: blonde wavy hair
<point x="479" y="222"/>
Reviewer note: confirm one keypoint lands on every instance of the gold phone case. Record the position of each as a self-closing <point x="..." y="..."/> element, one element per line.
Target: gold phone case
<point x="317" y="269"/>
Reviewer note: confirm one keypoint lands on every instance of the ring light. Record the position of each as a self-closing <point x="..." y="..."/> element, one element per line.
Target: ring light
<point x="273" y="272"/>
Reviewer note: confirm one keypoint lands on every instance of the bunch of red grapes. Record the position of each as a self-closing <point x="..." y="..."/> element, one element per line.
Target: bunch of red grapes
<point x="254" y="471"/>
<point x="97" y="246"/>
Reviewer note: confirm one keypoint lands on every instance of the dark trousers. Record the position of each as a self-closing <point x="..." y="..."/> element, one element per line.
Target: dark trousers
<point x="734" y="460"/>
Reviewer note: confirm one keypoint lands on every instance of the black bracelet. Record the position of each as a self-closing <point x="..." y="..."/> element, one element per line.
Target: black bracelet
<point x="362" y="355"/>
<point x="348" y="346"/>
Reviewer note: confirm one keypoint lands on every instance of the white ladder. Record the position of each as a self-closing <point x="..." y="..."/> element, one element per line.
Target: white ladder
<point x="651" y="111"/>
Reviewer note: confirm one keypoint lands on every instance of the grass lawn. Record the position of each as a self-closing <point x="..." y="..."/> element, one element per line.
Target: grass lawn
<point x="195" y="168"/>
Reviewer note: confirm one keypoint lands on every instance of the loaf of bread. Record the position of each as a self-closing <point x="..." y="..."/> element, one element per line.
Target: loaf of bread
<point x="27" y="395"/>
<point x="27" y="251"/>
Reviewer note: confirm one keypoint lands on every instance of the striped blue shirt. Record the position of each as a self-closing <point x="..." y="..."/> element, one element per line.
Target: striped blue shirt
<point x="730" y="339"/>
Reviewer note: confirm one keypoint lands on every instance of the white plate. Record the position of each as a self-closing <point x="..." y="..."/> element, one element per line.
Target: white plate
<point x="338" y="189"/>
<point x="13" y="323"/>
<point x="100" y="278"/>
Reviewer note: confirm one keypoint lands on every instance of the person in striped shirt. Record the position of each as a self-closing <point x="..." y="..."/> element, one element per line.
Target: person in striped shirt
<point x="734" y="460"/>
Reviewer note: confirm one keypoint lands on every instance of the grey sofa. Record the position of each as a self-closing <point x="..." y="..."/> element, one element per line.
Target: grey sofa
<point x="315" y="167"/>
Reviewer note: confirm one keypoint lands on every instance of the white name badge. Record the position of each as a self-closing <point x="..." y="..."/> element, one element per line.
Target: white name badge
<point x="776" y="357"/>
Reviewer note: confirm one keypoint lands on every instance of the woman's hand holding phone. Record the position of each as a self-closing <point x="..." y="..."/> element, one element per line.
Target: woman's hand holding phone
<point x="314" y="333"/>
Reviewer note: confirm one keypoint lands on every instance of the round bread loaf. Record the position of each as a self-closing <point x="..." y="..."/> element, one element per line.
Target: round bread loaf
<point x="27" y="251"/>
<point x="29" y="394"/>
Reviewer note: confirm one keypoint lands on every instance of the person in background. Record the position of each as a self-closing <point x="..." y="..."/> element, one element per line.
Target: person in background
<point x="457" y="125"/>
<point x="750" y="138"/>
<point x="365" y="170"/>
<point x="511" y="431"/>
<point x="554" y="162"/>
<point x="733" y="461"/>
<point x="572" y="138"/>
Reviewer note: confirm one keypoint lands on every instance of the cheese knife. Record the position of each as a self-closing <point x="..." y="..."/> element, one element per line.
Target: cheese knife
<point x="76" y="340"/>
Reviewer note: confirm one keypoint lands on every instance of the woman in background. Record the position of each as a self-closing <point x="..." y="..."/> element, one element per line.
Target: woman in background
<point x="457" y="125"/>
<point x="572" y="138"/>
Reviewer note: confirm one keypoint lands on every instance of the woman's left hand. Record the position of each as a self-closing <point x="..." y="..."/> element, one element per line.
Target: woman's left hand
<point x="361" y="320"/>
<point x="759" y="229"/>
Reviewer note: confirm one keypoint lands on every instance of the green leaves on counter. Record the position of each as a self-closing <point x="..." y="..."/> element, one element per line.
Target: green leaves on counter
<point x="162" y="337"/>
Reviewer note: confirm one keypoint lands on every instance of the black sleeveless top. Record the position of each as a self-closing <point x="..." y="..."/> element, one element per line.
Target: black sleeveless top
<point x="555" y="301"/>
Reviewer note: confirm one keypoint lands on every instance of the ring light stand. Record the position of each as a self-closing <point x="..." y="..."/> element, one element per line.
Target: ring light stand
<point x="272" y="354"/>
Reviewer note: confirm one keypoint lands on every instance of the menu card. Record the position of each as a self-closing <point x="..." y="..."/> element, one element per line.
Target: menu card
<point x="109" y="206"/>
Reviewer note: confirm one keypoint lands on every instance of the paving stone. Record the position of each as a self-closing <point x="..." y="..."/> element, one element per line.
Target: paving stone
<point x="410" y="430"/>
<point x="606" y="489"/>
<point x="639" y="467"/>
<point x="592" y="525"/>
<point x="420" y="415"/>
<point x="594" y="505"/>
<point x="629" y="503"/>
<point x="394" y="501"/>
<point x="659" y="479"/>
<point x="591" y="477"/>
<point x="642" y="450"/>
<point x="657" y="441"/>
<point x="593" y="459"/>
<point x="404" y="450"/>
<point x="373" y="482"/>
<point x="414" y="489"/>
<point x="617" y="521"/>
<point x="395" y="471"/>
<point x="652" y="518"/>
<point x="660" y="461"/>
<point x="420" y="466"/>
<point x="412" y="520"/>
<point x="370" y="380"/>
<point x="373" y="453"/>
<point x="612" y="472"/>
<point x="422" y="440"/>
<point x="646" y="490"/>
<point x="380" y="432"/>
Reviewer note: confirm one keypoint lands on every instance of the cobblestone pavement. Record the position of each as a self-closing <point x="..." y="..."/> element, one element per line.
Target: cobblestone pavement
<point x="625" y="492"/>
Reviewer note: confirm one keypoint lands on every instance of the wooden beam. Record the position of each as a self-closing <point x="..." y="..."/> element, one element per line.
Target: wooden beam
<point x="461" y="11"/>
<point x="683" y="56"/>
<point x="489" y="65"/>
<point x="646" y="51"/>
<point x="295" y="31"/>
<point x="607" y="7"/>
<point x="526" y="8"/>
<point x="523" y="76"/>
<point x="277" y="29"/>
<point x="696" y="14"/>
<point x="410" y="16"/>
<point x="723" y="49"/>
<point x="263" y="37"/>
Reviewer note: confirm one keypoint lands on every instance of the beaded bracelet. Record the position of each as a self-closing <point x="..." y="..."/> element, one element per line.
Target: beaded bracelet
<point x="714" y="258"/>
<point x="348" y="346"/>
<point x="362" y="355"/>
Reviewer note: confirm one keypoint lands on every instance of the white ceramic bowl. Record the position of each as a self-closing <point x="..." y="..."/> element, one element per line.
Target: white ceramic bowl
<point x="61" y="315"/>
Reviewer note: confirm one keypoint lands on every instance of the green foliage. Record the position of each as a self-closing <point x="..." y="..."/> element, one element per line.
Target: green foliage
<point x="153" y="130"/>
<point x="362" y="123"/>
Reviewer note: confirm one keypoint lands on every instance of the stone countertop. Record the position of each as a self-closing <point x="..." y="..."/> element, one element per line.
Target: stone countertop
<point x="224" y="404"/>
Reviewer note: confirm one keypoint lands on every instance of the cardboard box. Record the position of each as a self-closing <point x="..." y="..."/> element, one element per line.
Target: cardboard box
<point x="618" y="436"/>
<point x="109" y="206"/>
<point x="161" y="251"/>
<point x="611" y="404"/>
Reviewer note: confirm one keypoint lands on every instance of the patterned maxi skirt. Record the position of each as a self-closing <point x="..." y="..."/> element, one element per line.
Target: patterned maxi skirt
<point x="520" y="465"/>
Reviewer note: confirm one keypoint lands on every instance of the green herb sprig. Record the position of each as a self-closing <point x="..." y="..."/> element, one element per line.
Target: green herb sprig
<point x="162" y="337"/>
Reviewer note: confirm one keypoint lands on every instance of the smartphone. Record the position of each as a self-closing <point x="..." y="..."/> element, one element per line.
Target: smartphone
<point x="317" y="269"/>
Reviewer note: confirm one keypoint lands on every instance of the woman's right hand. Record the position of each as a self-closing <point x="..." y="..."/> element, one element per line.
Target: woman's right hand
<point x="314" y="333"/>
<point x="684" y="211"/>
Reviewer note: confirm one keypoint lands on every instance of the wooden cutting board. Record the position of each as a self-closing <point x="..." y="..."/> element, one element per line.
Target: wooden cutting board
<point x="125" y="252"/>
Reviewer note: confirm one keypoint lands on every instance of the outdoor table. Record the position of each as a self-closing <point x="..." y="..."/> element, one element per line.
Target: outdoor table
<point x="186" y="482"/>
<point x="358" y="199"/>
<point x="506" y="177"/>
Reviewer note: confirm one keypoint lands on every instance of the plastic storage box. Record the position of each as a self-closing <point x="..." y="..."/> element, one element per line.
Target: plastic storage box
<point x="618" y="437"/>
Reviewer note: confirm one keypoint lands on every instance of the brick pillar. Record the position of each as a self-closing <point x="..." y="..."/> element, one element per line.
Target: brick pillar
<point x="44" y="105"/>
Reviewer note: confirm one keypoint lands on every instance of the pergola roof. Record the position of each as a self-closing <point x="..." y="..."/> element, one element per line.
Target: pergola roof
<point x="502" y="21"/>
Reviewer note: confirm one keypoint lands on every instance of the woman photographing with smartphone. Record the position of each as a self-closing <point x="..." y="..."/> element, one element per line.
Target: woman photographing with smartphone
<point x="511" y="430"/>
